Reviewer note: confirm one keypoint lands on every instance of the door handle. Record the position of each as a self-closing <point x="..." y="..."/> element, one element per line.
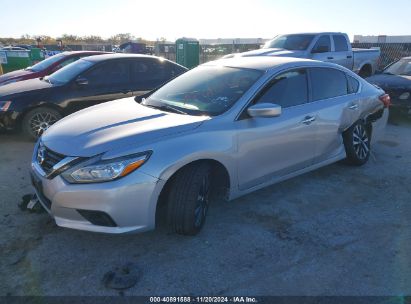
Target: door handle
<point x="308" y="120"/>
<point x="353" y="107"/>
<point x="349" y="57"/>
<point x="330" y="57"/>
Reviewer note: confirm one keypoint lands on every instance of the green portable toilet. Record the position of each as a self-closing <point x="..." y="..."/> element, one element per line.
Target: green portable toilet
<point x="188" y="52"/>
<point x="36" y="55"/>
<point x="15" y="60"/>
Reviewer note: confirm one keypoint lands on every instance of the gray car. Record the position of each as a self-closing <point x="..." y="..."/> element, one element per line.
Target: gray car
<point x="228" y="128"/>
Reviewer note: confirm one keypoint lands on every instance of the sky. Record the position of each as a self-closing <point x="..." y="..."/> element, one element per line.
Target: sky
<point x="152" y="19"/>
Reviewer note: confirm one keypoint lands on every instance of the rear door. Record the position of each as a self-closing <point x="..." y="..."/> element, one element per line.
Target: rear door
<point x="106" y="81"/>
<point x="269" y="148"/>
<point x="342" y="53"/>
<point x="337" y="107"/>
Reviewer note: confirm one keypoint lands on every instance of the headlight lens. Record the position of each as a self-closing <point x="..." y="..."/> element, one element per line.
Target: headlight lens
<point x="4" y="105"/>
<point x="107" y="170"/>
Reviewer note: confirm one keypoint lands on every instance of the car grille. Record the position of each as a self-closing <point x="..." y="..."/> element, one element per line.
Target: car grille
<point x="51" y="158"/>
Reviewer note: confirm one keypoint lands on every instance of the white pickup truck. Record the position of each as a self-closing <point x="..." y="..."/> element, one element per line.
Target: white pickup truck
<point x="332" y="47"/>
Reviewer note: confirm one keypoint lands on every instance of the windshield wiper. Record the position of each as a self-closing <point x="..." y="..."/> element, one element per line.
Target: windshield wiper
<point x="166" y="108"/>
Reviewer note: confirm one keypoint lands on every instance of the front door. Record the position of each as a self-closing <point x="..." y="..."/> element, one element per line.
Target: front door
<point x="106" y="81"/>
<point x="269" y="148"/>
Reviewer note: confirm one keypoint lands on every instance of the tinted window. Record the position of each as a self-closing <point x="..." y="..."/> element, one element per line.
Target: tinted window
<point x="70" y="71"/>
<point x="67" y="61"/>
<point x="290" y="42"/>
<point x="340" y="43"/>
<point x="327" y="83"/>
<point x="323" y="44"/>
<point x="353" y="84"/>
<point x="109" y="73"/>
<point x="287" y="90"/>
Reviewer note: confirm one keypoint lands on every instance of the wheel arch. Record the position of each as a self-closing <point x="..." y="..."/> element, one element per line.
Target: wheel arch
<point x="221" y="179"/>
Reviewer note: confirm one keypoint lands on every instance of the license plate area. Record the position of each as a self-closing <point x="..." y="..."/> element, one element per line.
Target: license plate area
<point x="38" y="185"/>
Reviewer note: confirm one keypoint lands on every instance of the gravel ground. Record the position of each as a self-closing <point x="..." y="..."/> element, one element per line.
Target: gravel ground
<point x="340" y="230"/>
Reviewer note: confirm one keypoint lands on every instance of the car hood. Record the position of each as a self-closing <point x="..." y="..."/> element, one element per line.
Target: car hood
<point x="24" y="86"/>
<point x="386" y="81"/>
<point x="272" y="52"/>
<point x="117" y="124"/>
<point x="14" y="74"/>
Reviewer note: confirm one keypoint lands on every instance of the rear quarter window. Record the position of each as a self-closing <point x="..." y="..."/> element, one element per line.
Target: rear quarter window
<point x="353" y="84"/>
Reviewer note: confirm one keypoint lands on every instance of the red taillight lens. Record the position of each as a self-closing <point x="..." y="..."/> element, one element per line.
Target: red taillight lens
<point x="386" y="100"/>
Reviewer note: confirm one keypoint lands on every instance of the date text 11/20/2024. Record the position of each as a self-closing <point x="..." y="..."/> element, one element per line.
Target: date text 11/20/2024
<point x="203" y="300"/>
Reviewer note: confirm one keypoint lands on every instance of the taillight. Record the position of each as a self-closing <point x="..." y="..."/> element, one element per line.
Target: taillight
<point x="386" y="100"/>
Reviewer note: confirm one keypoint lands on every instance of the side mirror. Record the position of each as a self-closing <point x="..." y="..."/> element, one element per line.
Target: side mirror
<point x="81" y="81"/>
<point x="320" y="49"/>
<point x="264" y="110"/>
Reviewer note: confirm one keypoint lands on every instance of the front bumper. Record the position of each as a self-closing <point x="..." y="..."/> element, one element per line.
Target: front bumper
<point x="130" y="202"/>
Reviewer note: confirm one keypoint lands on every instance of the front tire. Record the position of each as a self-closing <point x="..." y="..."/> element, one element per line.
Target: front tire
<point x="357" y="142"/>
<point x="39" y="120"/>
<point x="188" y="199"/>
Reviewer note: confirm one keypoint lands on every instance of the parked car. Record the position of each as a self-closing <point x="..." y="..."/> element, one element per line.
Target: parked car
<point x="396" y="81"/>
<point x="36" y="104"/>
<point x="329" y="47"/>
<point x="230" y="127"/>
<point x="45" y="67"/>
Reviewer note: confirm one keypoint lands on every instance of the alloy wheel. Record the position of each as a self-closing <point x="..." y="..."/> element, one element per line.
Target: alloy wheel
<point x="201" y="209"/>
<point x="360" y="142"/>
<point x="41" y="122"/>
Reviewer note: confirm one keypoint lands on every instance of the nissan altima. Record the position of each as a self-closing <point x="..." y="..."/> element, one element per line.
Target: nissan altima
<point x="225" y="128"/>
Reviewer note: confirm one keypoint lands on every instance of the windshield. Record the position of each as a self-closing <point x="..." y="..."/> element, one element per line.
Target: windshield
<point x="69" y="72"/>
<point x="205" y="90"/>
<point x="401" y="67"/>
<point x="290" y="42"/>
<point x="42" y="65"/>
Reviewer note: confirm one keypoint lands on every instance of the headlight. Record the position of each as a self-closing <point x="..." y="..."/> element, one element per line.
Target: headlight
<point x="4" y="105"/>
<point x="404" y="96"/>
<point x="98" y="170"/>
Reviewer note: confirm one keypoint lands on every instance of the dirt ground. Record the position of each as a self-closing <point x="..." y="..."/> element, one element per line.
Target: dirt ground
<point x="340" y="230"/>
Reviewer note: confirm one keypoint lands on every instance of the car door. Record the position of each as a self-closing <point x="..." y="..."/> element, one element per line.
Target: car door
<point x="105" y="81"/>
<point x="337" y="107"/>
<point x="322" y="50"/>
<point x="270" y="148"/>
<point x="342" y="55"/>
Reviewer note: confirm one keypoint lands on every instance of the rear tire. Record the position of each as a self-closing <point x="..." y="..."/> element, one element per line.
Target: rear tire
<point x="39" y="120"/>
<point x="357" y="143"/>
<point x="188" y="199"/>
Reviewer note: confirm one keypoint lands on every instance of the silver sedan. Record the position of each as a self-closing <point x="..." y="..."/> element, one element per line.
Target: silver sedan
<point x="225" y="128"/>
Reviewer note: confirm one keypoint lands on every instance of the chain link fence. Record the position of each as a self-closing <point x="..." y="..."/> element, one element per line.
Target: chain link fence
<point x="390" y="52"/>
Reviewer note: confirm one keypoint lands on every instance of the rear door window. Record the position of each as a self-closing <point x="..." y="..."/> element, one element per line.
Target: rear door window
<point x="340" y="43"/>
<point x="287" y="89"/>
<point x="327" y="83"/>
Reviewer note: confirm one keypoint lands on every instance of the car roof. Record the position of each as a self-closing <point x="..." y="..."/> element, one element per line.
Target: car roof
<point x="263" y="63"/>
<point x="70" y="53"/>
<point x="110" y="56"/>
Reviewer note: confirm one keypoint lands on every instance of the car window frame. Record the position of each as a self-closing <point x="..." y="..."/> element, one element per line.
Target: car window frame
<point x="99" y="64"/>
<point x="242" y="114"/>
<point x="335" y="45"/>
<point x="314" y="48"/>
<point x="330" y="68"/>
